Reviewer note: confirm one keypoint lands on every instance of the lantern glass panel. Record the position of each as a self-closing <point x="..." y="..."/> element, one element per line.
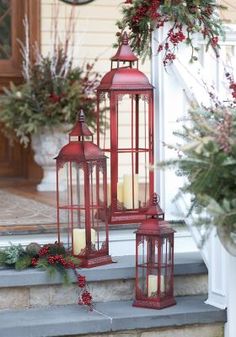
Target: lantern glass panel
<point x="71" y="206"/>
<point x="141" y="252"/>
<point x="130" y="170"/>
<point x="142" y="282"/>
<point x="153" y="266"/>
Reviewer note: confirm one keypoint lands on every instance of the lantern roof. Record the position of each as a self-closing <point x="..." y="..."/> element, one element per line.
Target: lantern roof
<point x="80" y="128"/>
<point x="154" y="226"/>
<point x="155" y="223"/>
<point x="125" y="79"/>
<point x="124" y="52"/>
<point x="79" y="149"/>
<point x="155" y="209"/>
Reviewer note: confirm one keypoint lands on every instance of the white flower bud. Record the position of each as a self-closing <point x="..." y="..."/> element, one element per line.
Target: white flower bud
<point x="18" y="94"/>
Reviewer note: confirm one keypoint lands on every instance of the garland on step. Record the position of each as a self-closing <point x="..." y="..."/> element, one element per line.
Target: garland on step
<point x="51" y="258"/>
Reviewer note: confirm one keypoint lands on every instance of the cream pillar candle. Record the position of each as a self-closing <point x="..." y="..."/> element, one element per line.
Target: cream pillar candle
<point x="128" y="191"/>
<point x="152" y="284"/>
<point x="120" y="192"/>
<point x="79" y="241"/>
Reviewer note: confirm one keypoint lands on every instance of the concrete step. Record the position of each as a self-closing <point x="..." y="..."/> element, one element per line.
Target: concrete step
<point x="33" y="287"/>
<point x="121" y="240"/>
<point x="189" y="317"/>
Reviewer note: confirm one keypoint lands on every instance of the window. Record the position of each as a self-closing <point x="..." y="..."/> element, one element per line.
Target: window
<point x="5" y="29"/>
<point x="12" y="13"/>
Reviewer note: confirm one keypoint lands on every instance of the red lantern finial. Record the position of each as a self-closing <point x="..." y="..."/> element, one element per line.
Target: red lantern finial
<point x="125" y="39"/>
<point x="155" y="210"/>
<point x="81" y="117"/>
<point x="155" y="199"/>
<point x="124" y="52"/>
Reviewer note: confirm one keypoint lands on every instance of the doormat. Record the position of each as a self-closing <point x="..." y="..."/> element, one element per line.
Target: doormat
<point x="20" y="214"/>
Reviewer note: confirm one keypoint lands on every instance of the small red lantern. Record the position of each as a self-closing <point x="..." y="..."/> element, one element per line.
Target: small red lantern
<point x="154" y="285"/>
<point x="125" y="134"/>
<point x="81" y="196"/>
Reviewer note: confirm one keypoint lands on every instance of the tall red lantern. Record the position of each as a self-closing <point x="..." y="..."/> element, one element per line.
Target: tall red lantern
<point x="154" y="286"/>
<point x="125" y="134"/>
<point x="81" y="196"/>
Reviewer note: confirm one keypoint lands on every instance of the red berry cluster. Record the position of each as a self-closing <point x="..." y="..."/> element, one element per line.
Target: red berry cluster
<point x="59" y="259"/>
<point x="169" y="58"/>
<point x="233" y="88"/>
<point x="43" y="251"/>
<point x="34" y="262"/>
<point x="208" y="10"/>
<point x="214" y="41"/>
<point x="54" y="98"/>
<point x="86" y="298"/>
<point x="81" y="281"/>
<point x="232" y="84"/>
<point x="148" y="9"/>
<point x="174" y="37"/>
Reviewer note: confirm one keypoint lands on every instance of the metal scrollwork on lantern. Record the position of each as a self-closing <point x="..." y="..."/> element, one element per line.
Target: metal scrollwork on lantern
<point x="82" y="197"/>
<point x="154" y="286"/>
<point x="125" y="134"/>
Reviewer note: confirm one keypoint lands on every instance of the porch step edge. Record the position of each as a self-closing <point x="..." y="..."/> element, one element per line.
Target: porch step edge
<point x="72" y="320"/>
<point x="123" y="269"/>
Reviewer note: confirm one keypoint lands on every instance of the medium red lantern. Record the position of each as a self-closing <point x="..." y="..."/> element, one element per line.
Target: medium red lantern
<point x="81" y="196"/>
<point x="125" y="134"/>
<point x="154" y="286"/>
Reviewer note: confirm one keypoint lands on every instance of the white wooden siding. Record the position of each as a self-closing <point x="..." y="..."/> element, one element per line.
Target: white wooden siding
<point x="95" y="30"/>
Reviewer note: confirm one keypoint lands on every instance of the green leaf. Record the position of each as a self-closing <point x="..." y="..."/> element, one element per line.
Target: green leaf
<point x="23" y="262"/>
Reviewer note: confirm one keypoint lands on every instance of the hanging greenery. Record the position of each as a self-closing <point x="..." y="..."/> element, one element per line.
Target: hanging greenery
<point x="141" y="17"/>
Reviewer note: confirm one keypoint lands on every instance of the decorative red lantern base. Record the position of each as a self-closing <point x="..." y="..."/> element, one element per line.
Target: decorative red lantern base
<point x="167" y="302"/>
<point x="95" y="262"/>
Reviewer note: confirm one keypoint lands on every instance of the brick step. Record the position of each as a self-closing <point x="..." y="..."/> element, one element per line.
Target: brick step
<point x="33" y="288"/>
<point x="189" y="317"/>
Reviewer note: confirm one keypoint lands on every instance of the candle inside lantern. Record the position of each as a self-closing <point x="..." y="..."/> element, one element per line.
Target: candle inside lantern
<point x="152" y="284"/>
<point x="79" y="239"/>
<point x="130" y="191"/>
<point x="120" y="192"/>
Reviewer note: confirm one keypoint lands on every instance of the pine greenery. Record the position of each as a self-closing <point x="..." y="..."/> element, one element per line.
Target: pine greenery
<point x="52" y="94"/>
<point x="141" y="17"/>
<point x="52" y="258"/>
<point x="207" y="160"/>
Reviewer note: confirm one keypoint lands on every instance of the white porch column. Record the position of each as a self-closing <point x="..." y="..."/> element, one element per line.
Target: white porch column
<point x="170" y="104"/>
<point x="173" y="86"/>
<point x="230" y="326"/>
<point x="217" y="272"/>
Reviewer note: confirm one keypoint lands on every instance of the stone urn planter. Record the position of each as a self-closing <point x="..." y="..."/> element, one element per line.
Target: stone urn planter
<point x="46" y="145"/>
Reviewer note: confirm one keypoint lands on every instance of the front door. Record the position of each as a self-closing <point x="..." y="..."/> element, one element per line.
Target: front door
<point x="15" y="160"/>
